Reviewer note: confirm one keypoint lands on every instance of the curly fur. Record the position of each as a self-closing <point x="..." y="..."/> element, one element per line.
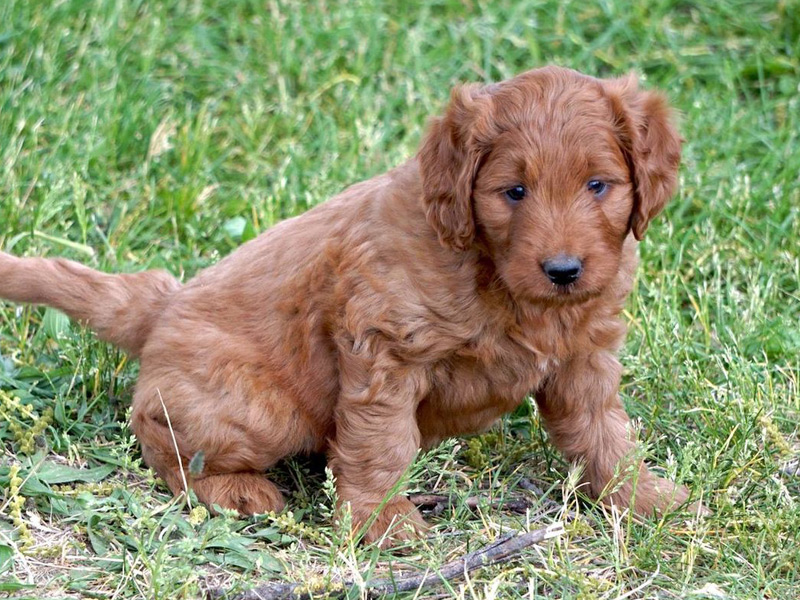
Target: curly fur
<point x="410" y="308"/>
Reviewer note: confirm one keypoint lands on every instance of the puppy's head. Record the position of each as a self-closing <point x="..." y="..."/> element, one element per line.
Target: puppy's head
<point x="548" y="173"/>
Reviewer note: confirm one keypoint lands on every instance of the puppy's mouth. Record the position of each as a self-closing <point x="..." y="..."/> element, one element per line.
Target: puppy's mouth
<point x="538" y="289"/>
<point x="560" y="295"/>
<point x="572" y="293"/>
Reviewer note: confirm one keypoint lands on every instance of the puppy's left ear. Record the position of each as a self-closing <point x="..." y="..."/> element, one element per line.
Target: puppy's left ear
<point x="652" y="146"/>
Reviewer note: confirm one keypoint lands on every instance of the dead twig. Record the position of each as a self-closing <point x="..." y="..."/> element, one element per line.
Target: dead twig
<point x="505" y="549"/>
<point x="548" y="503"/>
<point x="437" y="503"/>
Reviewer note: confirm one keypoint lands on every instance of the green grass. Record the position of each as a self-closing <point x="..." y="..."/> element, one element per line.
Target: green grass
<point x="162" y="134"/>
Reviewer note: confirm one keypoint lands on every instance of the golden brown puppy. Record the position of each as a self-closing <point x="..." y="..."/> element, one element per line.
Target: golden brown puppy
<point x="421" y="304"/>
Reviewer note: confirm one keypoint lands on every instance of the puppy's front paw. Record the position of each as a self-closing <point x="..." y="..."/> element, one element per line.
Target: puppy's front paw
<point x="655" y="495"/>
<point x="659" y="495"/>
<point x="398" y="521"/>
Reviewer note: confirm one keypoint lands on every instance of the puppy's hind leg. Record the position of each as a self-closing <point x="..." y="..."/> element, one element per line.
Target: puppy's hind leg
<point x="233" y="459"/>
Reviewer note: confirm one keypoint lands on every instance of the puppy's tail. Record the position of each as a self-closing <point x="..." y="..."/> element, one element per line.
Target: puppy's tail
<point x="120" y="308"/>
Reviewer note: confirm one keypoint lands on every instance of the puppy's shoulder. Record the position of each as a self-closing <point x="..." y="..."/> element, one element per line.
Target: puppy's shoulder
<point x="395" y="277"/>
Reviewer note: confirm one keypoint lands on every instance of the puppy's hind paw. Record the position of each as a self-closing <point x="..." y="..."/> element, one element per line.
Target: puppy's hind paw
<point x="247" y="493"/>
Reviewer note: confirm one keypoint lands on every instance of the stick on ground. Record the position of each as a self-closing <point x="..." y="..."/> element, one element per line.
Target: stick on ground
<point x="505" y="549"/>
<point x="437" y="503"/>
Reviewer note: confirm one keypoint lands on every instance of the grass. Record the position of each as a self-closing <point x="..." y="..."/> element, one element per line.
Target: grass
<point x="162" y="134"/>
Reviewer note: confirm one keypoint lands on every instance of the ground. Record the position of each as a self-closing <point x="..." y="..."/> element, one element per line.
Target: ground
<point x="163" y="134"/>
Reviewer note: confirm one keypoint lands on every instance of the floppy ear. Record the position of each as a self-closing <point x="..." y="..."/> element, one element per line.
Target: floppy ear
<point x="652" y="146"/>
<point x="449" y="159"/>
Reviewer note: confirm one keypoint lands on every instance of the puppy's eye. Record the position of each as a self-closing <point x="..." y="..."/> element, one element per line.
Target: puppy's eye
<point x="515" y="194"/>
<point x="597" y="187"/>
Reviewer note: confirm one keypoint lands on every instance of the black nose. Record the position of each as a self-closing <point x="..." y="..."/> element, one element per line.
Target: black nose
<point x="563" y="269"/>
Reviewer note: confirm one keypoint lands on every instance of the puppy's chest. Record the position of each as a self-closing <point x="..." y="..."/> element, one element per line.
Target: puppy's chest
<point x="482" y="381"/>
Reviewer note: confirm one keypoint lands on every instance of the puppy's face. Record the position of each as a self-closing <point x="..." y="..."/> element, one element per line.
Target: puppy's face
<point x="548" y="173"/>
<point x="553" y="195"/>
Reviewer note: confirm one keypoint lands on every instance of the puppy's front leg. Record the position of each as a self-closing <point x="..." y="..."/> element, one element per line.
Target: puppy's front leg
<point x="376" y="440"/>
<point x="583" y="414"/>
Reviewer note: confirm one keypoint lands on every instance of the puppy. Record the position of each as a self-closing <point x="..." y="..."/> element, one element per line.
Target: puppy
<point x="421" y="304"/>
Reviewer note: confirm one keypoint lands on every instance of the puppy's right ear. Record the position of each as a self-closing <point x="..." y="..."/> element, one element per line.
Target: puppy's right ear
<point x="449" y="159"/>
